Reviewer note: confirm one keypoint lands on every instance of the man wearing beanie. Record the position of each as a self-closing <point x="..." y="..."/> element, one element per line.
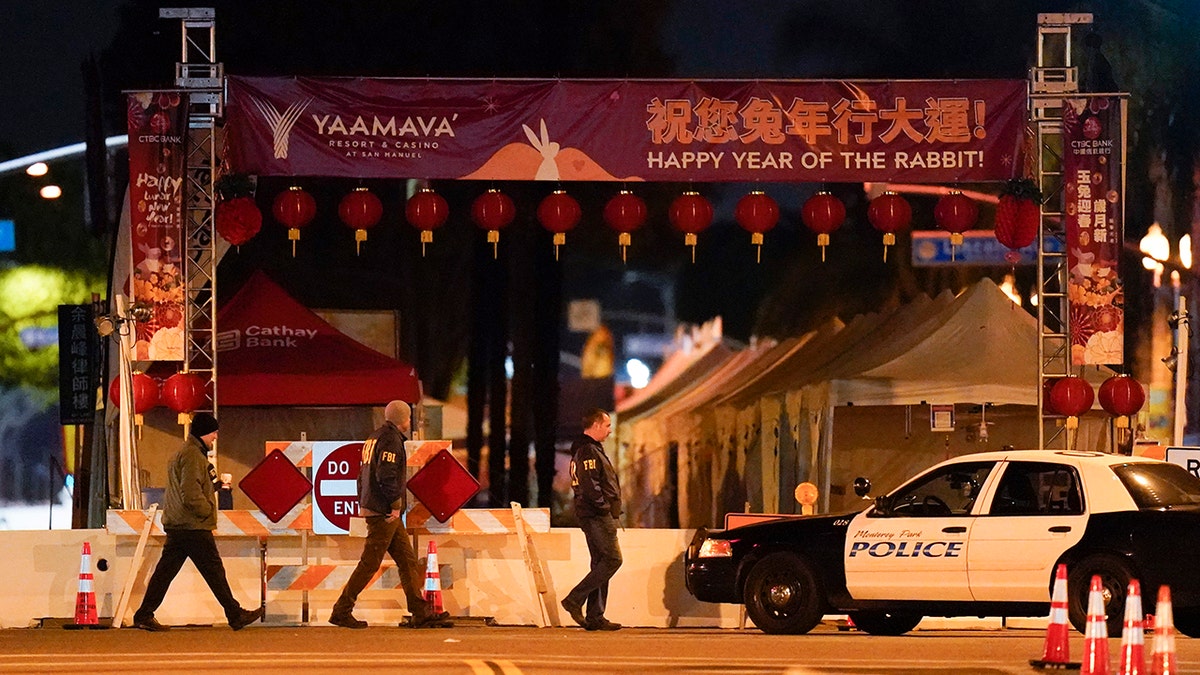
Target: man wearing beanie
<point x="382" y="484"/>
<point x="189" y="518"/>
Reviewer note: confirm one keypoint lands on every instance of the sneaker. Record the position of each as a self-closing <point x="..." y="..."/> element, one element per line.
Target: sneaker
<point x="439" y="620"/>
<point x="576" y="612"/>
<point x="603" y="624"/>
<point x="346" y="621"/>
<point x="247" y="617"/>
<point x="151" y="624"/>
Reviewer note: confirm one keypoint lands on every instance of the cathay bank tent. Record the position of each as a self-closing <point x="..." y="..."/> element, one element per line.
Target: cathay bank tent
<point x="274" y="351"/>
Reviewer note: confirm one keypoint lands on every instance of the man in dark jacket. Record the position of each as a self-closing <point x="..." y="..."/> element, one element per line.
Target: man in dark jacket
<point x="597" y="508"/>
<point x="382" y="484"/>
<point x="189" y="517"/>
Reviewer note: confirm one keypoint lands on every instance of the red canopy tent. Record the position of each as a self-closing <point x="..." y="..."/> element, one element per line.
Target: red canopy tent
<point x="274" y="351"/>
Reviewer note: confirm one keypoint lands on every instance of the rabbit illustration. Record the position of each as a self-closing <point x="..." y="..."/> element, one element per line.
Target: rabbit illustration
<point x="548" y="169"/>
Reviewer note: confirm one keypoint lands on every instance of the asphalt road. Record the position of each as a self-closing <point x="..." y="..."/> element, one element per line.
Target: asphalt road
<point x="270" y="650"/>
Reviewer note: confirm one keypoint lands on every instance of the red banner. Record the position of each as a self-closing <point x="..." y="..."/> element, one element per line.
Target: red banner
<point x="157" y="132"/>
<point x="1092" y="138"/>
<point x="931" y="131"/>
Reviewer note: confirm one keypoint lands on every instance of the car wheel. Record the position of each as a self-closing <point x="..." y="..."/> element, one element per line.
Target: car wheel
<point x="1114" y="580"/>
<point x="885" y="623"/>
<point x="783" y="595"/>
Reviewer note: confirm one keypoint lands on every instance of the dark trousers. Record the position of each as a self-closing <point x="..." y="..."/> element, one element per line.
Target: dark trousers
<point x="601" y="535"/>
<point x="201" y="547"/>
<point x="385" y="537"/>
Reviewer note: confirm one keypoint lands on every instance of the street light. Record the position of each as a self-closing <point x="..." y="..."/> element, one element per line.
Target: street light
<point x="1156" y="249"/>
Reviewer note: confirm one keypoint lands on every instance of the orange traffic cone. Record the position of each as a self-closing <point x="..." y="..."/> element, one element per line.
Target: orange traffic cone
<point x="1162" y="657"/>
<point x="1095" y="638"/>
<point x="433" y="581"/>
<point x="1057" y="653"/>
<point x="85" y="599"/>
<point x="1133" y="656"/>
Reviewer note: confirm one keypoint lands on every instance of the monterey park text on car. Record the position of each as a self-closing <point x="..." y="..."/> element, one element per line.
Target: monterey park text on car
<point x="978" y="535"/>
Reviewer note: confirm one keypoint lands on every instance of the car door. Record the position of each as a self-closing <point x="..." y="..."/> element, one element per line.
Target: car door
<point x="913" y="544"/>
<point x="1036" y="512"/>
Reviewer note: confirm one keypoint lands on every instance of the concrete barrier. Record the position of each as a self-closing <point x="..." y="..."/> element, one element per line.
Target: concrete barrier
<point x="483" y="575"/>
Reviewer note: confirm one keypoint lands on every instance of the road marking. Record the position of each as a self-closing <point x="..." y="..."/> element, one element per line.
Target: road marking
<point x="481" y="667"/>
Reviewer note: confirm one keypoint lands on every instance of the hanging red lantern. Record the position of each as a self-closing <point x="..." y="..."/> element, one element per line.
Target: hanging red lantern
<point x="360" y="210"/>
<point x="1121" y="396"/>
<point x="493" y="211"/>
<point x="559" y="213"/>
<point x="955" y="213"/>
<point x="1018" y="216"/>
<point x="625" y="212"/>
<point x="295" y="209"/>
<point x="237" y="220"/>
<point x="1047" y="387"/>
<point x="1071" y="396"/>
<point x="184" y="392"/>
<point x="889" y="213"/>
<point x="426" y="211"/>
<point x="757" y="213"/>
<point x="823" y="213"/>
<point x="145" y="394"/>
<point x="691" y="214"/>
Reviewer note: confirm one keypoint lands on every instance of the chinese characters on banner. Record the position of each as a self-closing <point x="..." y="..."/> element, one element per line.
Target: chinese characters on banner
<point x="77" y="364"/>
<point x="157" y="133"/>
<point x="927" y="131"/>
<point x="1092" y="134"/>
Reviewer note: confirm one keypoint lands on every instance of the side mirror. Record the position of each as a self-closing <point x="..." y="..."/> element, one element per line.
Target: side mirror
<point x="862" y="486"/>
<point x="883" y="505"/>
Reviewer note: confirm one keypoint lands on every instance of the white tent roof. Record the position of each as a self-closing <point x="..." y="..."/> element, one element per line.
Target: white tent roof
<point x="981" y="348"/>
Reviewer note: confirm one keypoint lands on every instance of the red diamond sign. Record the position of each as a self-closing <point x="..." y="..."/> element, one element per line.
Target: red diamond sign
<point x="443" y="485"/>
<point x="275" y="485"/>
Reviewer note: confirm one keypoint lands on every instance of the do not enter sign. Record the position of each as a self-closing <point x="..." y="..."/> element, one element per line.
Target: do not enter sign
<point x="335" y="485"/>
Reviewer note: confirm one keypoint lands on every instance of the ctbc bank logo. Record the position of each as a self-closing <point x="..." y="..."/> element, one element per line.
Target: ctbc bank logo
<point x="335" y="485"/>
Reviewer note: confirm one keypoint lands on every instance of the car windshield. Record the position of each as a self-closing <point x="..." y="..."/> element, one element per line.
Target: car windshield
<point x="1156" y="486"/>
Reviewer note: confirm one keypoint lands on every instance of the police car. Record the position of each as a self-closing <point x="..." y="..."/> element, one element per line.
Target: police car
<point x="978" y="535"/>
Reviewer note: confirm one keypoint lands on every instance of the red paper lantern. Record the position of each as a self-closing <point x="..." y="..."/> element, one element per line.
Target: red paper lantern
<point x="184" y="392"/>
<point x="1047" y="387"/>
<point x="559" y="213"/>
<point x="426" y="211"/>
<point x="1018" y="217"/>
<point x="889" y="213"/>
<point x="1072" y="396"/>
<point x="625" y="212"/>
<point x="823" y="213"/>
<point x="145" y="392"/>
<point x="691" y="214"/>
<point x="360" y="210"/>
<point x="756" y="213"/>
<point x="493" y="211"/>
<point x="1121" y="396"/>
<point x="295" y="209"/>
<point x="955" y="213"/>
<point x="238" y="220"/>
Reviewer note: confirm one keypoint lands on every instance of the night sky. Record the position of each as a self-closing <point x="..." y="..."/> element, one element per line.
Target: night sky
<point x="42" y="47"/>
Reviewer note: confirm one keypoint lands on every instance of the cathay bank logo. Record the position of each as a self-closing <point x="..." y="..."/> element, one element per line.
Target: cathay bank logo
<point x="281" y="124"/>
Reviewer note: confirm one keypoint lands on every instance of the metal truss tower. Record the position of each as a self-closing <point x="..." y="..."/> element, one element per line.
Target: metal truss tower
<point x="1050" y="80"/>
<point x="203" y="79"/>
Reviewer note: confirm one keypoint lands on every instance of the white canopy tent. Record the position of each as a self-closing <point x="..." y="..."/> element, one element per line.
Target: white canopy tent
<point x="755" y="426"/>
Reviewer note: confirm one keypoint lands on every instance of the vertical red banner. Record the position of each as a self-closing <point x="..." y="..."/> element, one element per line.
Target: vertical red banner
<point x="157" y="133"/>
<point x="1093" y="130"/>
